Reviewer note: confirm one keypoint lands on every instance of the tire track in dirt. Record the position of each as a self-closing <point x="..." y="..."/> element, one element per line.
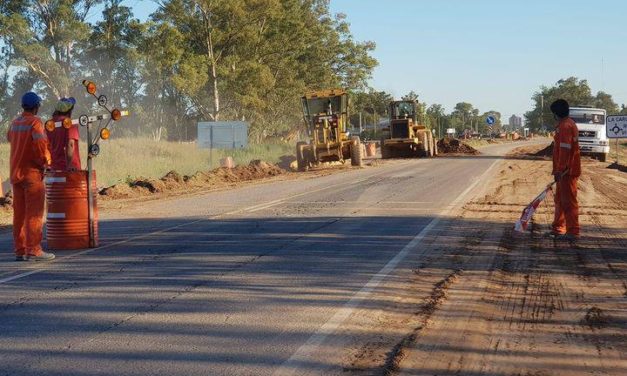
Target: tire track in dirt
<point x="403" y="318"/>
<point x="435" y="300"/>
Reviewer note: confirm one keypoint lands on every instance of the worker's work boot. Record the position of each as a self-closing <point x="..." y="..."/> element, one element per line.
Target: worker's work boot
<point x="44" y="256"/>
<point x="553" y="234"/>
<point x="21" y="258"/>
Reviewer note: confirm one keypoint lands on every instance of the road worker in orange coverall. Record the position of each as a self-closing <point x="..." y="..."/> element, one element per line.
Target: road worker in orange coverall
<point x="566" y="171"/>
<point x="29" y="159"/>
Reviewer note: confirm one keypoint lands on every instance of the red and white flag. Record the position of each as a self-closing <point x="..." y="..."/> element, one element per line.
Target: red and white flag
<point x="529" y="211"/>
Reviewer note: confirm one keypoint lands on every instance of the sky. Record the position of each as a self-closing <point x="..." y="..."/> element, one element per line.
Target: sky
<point x="492" y="53"/>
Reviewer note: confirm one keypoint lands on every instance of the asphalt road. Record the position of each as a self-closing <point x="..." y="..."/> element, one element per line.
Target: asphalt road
<point x="258" y="280"/>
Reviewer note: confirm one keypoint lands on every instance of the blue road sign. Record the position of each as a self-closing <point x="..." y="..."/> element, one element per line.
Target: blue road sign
<point x="490" y="120"/>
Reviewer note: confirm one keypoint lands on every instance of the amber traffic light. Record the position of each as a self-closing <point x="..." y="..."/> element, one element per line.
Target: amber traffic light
<point x="67" y="123"/>
<point x="105" y="134"/>
<point x="116" y="114"/>
<point x="50" y="125"/>
<point x="90" y="86"/>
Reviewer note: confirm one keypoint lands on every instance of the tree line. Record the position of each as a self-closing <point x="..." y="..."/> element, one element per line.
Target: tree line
<point x="203" y="60"/>
<point x="192" y="60"/>
<point x="465" y="116"/>
<point x="374" y="105"/>
<point x="577" y="92"/>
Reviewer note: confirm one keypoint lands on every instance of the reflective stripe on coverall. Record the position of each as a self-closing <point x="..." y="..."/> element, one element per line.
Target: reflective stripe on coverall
<point x="29" y="157"/>
<point x="566" y="156"/>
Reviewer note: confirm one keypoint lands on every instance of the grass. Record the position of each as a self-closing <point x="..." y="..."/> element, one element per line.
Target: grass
<point x="127" y="158"/>
<point x="622" y="156"/>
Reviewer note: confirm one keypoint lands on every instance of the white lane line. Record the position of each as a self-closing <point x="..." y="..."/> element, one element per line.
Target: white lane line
<point x="299" y="361"/>
<point x="48" y="265"/>
<point x="362" y="202"/>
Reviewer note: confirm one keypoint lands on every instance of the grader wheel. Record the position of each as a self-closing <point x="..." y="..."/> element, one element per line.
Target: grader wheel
<point x="386" y="152"/>
<point x="301" y="159"/>
<point x="435" y="147"/>
<point x="423" y="149"/>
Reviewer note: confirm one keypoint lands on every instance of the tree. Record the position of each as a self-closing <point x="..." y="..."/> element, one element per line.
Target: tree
<point x="373" y="104"/>
<point x="577" y="92"/>
<point x="411" y="96"/>
<point x="463" y="115"/>
<point x="437" y="118"/>
<point x="605" y="101"/>
<point x="44" y="36"/>
<point x="193" y="60"/>
<point x="111" y="55"/>
<point x="253" y="59"/>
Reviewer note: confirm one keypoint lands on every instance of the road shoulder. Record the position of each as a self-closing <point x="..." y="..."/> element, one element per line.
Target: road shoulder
<point x="486" y="301"/>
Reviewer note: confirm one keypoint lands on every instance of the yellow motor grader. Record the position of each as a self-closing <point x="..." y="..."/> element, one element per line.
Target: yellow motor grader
<point x="405" y="137"/>
<point x="326" y="116"/>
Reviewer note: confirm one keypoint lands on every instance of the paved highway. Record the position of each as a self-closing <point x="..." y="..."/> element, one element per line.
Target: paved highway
<point x="260" y="280"/>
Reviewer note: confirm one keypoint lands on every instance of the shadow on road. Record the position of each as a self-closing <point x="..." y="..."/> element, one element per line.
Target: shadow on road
<point x="244" y="294"/>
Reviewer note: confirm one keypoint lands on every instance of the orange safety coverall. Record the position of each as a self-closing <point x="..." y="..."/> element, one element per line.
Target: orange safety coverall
<point x="566" y="156"/>
<point x="29" y="158"/>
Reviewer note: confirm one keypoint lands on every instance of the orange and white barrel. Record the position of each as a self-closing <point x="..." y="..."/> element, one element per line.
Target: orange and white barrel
<point x="67" y="219"/>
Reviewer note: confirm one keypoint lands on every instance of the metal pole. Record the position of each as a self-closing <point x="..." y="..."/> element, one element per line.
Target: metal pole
<point x="617" y="150"/>
<point x="541" y="111"/>
<point x="360" y="124"/>
<point x="233" y="134"/>
<point x="210" y="147"/>
<point x="90" y="193"/>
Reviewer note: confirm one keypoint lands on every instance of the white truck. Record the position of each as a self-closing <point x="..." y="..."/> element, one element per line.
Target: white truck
<point x="592" y="137"/>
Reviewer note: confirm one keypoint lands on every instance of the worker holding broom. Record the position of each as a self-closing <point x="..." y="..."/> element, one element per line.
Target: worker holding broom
<point x="566" y="171"/>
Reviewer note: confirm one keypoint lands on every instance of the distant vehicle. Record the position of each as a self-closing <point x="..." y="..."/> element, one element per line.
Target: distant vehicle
<point x="592" y="138"/>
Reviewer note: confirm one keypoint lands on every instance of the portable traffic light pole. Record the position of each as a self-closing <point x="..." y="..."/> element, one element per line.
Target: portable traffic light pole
<point x="93" y="147"/>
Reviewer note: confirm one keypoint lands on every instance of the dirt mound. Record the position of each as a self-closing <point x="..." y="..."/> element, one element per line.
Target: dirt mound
<point x="619" y="167"/>
<point x="152" y="185"/>
<point x="454" y="146"/>
<point x="287" y="162"/>
<point x="173" y="181"/>
<point x="546" y="152"/>
<point x="173" y="176"/>
<point x="118" y="191"/>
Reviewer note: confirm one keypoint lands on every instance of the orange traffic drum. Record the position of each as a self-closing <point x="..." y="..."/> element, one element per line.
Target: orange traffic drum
<point x="67" y="224"/>
<point x="371" y="149"/>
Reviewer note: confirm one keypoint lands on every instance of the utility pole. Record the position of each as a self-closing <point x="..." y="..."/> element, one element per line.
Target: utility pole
<point x="541" y="111"/>
<point x="360" y="123"/>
